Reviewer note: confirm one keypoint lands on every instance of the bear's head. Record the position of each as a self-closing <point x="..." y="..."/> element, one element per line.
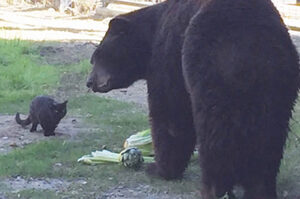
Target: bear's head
<point x="122" y="56"/>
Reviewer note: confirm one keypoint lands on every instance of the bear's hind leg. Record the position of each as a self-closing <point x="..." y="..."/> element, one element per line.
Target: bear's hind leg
<point x="216" y="186"/>
<point x="261" y="188"/>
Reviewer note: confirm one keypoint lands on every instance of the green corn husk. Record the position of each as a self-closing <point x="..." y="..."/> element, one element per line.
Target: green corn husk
<point x="141" y="140"/>
<point x="100" y="157"/>
<point x="148" y="159"/>
<point x="130" y="157"/>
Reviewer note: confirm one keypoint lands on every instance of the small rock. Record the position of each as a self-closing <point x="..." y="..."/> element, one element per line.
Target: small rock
<point x="89" y="115"/>
<point x="2" y="197"/>
<point x="74" y="192"/>
<point x="74" y="121"/>
<point x="51" y="10"/>
<point x="83" y="182"/>
<point x="5" y="138"/>
<point x="110" y="178"/>
<point x="58" y="164"/>
<point x="285" y="194"/>
<point x="146" y="187"/>
<point x="135" y="194"/>
<point x="13" y="144"/>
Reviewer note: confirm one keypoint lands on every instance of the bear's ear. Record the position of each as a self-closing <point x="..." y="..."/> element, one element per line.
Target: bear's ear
<point x="119" y="24"/>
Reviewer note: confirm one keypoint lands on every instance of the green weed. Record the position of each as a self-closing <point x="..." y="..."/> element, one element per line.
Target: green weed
<point x="34" y="194"/>
<point x="21" y="77"/>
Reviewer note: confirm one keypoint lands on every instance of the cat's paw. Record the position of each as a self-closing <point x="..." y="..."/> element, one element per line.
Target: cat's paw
<point x="49" y="134"/>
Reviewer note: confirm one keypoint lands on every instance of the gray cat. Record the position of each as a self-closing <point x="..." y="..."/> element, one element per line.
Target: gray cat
<point x="44" y="111"/>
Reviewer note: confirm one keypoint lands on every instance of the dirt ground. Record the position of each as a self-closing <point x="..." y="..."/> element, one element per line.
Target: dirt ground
<point x="78" y="36"/>
<point x="13" y="135"/>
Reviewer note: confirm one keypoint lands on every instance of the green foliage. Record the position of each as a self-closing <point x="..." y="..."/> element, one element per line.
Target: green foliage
<point x="34" y="194"/>
<point x="295" y="121"/>
<point x="21" y="78"/>
<point x="107" y="113"/>
<point x="82" y="68"/>
<point x="112" y="123"/>
<point x="36" y="160"/>
<point x="33" y="160"/>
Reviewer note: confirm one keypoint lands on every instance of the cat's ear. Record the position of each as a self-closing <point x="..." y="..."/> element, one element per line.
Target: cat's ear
<point x="64" y="103"/>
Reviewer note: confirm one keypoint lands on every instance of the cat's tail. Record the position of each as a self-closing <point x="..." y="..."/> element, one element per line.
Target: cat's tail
<point x="22" y="122"/>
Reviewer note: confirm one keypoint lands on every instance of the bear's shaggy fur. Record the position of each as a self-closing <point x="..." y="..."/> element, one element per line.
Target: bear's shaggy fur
<point x="242" y="73"/>
<point x="224" y="71"/>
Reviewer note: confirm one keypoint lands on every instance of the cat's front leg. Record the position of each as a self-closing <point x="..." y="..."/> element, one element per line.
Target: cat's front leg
<point x="33" y="127"/>
<point x="49" y="133"/>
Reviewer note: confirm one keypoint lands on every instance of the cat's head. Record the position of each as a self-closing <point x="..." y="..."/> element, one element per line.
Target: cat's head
<point x="59" y="109"/>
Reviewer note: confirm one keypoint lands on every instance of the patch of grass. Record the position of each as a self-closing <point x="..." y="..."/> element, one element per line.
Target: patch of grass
<point x="34" y="160"/>
<point x="21" y="77"/>
<point x="288" y="178"/>
<point x="24" y="75"/>
<point x="82" y="68"/>
<point x="295" y="121"/>
<point x="102" y="111"/>
<point x="34" y="194"/>
<point x="116" y="121"/>
<point x="3" y="186"/>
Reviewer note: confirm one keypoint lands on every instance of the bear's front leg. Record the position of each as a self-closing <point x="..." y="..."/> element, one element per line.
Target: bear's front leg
<point x="173" y="148"/>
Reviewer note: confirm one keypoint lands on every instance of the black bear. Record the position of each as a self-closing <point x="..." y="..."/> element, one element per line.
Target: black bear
<point x="136" y="47"/>
<point x="222" y="72"/>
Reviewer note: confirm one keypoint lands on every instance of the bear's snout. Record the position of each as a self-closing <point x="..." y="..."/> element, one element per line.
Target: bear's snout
<point x="89" y="82"/>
